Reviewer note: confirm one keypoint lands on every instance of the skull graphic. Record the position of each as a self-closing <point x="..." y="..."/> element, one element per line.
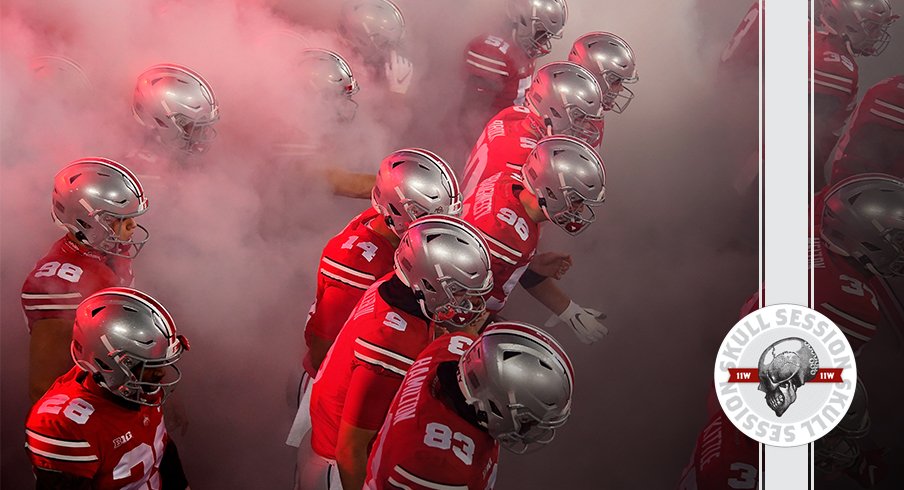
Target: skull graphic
<point x="784" y="367"/>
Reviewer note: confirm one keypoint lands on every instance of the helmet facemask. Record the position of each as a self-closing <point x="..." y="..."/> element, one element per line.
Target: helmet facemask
<point x="894" y="266"/>
<point x="617" y="101"/>
<point x="456" y="305"/>
<point x="195" y="136"/>
<point x="872" y="38"/>
<point x="582" y="125"/>
<point x="578" y="213"/>
<point x="113" y="244"/>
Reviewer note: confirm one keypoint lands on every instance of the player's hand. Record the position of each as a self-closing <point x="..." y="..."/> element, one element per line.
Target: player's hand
<point x="585" y="322"/>
<point x="551" y="264"/>
<point x="399" y="72"/>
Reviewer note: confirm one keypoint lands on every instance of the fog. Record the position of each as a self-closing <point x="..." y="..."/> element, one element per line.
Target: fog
<point x="236" y="233"/>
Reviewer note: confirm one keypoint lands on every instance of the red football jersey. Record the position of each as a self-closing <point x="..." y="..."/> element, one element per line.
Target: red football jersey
<point x="77" y="427"/>
<point x="723" y="458"/>
<point x="843" y="292"/>
<point x="351" y="262"/>
<point x="377" y="337"/>
<point x="424" y="444"/>
<point x="512" y="235"/>
<point x="874" y="139"/>
<point x="69" y="273"/>
<point x="504" y="65"/>
<point x="835" y="82"/>
<point x="504" y="145"/>
<point x="742" y="51"/>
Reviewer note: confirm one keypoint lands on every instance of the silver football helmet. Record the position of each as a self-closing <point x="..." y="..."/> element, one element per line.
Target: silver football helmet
<point x="330" y="76"/>
<point x="862" y="22"/>
<point x="90" y="195"/>
<point x="446" y="263"/>
<point x="568" y="99"/>
<point x="612" y="62"/>
<point x="537" y="23"/>
<point x="520" y="381"/>
<point x="373" y="27"/>
<point x="120" y="334"/>
<point x="178" y="106"/>
<point x="60" y="72"/>
<point x="863" y="218"/>
<point x="568" y="178"/>
<point x="413" y="183"/>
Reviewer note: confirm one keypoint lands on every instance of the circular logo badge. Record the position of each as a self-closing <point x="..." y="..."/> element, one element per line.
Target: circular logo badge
<point x="785" y="375"/>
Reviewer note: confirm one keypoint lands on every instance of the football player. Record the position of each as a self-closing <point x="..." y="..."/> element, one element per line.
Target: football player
<point x="564" y="98"/>
<point x="178" y="107"/>
<point x="612" y="62"/>
<point x="859" y="247"/>
<point x="874" y="140"/>
<point x="97" y="202"/>
<point x="848" y="28"/>
<point x="374" y="29"/>
<point x="462" y="398"/>
<point x="410" y="184"/>
<point x="100" y="426"/>
<point x="726" y="458"/>
<point x="562" y="181"/>
<point x="500" y="68"/>
<point x="332" y="85"/>
<point x="442" y="271"/>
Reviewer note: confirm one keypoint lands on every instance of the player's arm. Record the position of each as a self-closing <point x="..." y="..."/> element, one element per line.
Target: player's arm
<point x="367" y="401"/>
<point x="172" y="475"/>
<point x="584" y="322"/>
<point x="57" y="480"/>
<point x="333" y="308"/>
<point x="48" y="354"/>
<point x="350" y="184"/>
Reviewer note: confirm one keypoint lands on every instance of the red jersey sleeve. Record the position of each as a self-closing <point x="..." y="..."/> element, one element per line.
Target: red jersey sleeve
<point x="59" y="282"/>
<point x="330" y="312"/>
<point x="503" y="67"/>
<point x="835" y="82"/>
<point x="370" y="392"/>
<point x="874" y="140"/>
<point x="57" y="442"/>
<point x="351" y="262"/>
<point x="487" y="57"/>
<point x="511" y="234"/>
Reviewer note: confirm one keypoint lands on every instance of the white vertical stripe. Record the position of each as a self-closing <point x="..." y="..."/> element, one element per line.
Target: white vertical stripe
<point x="786" y="198"/>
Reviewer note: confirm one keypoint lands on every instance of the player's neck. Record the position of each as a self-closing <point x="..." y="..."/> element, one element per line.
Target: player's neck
<point x="379" y="226"/>
<point x="531" y="206"/>
<point x="449" y="393"/>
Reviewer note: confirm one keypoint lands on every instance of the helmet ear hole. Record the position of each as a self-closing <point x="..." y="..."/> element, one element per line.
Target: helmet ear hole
<point x="393" y="210"/>
<point x="101" y="364"/>
<point x="427" y="286"/>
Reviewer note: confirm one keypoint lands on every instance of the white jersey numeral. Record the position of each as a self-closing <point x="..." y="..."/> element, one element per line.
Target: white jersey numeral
<point x="857" y="288"/>
<point x="746" y="478"/>
<point x="459" y="344"/>
<point x="839" y="58"/>
<point x="511" y="218"/>
<point x="68" y="272"/>
<point x="369" y="250"/>
<point x="146" y="456"/>
<point x="395" y="321"/>
<point x="77" y="410"/>
<point x="442" y="437"/>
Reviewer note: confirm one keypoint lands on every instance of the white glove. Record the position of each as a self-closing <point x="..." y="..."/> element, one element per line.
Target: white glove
<point x="584" y="321"/>
<point x="399" y="72"/>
